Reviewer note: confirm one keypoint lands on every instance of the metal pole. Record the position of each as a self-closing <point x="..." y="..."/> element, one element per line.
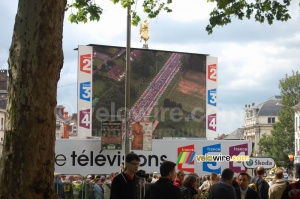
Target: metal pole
<point x="127" y="84"/>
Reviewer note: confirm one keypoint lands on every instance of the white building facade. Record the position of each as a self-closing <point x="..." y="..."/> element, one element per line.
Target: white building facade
<point x="259" y="120"/>
<point x="297" y="133"/>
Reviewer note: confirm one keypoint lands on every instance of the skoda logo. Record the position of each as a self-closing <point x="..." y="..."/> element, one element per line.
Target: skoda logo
<point x="250" y="162"/>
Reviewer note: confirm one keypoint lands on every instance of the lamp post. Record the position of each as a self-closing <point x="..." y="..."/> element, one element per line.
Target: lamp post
<point x="127" y="83"/>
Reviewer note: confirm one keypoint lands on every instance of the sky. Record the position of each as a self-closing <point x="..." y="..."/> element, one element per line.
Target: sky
<point x="252" y="57"/>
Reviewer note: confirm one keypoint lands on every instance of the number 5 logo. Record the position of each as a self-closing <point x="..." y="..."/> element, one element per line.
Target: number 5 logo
<point x="85" y="63"/>
<point x="212" y="166"/>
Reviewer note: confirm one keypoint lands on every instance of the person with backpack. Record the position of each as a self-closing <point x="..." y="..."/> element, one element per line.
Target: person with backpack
<point x="261" y="184"/>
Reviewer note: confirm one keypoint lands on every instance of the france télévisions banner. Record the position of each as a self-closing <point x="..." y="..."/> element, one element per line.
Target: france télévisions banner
<point x="84" y="105"/>
<point x="192" y="156"/>
<point x="211" y="99"/>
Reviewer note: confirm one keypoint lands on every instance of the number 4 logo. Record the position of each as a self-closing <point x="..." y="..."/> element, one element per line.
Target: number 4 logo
<point x="84" y="118"/>
<point x="212" y="122"/>
<point x="85" y="63"/>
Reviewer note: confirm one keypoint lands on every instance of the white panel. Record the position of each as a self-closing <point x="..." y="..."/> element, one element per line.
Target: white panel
<point x="84" y="86"/>
<point x="86" y="157"/>
<point x="211" y="97"/>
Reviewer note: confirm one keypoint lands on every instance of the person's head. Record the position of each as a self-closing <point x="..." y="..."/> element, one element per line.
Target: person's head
<point x="102" y="179"/>
<point x="279" y="174"/>
<point x="190" y="181"/>
<point x="244" y="180"/>
<point x="227" y="175"/>
<point x="255" y="171"/>
<point x="167" y="170"/>
<point x="63" y="177"/>
<point x="260" y="170"/>
<point x="214" y="177"/>
<point x="132" y="162"/>
<point x="98" y="181"/>
<point x="180" y="175"/>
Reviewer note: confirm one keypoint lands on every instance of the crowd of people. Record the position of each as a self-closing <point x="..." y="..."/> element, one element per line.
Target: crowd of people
<point x="81" y="187"/>
<point x="130" y="183"/>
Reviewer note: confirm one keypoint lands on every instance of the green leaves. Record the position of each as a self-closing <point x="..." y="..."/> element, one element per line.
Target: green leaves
<point x="281" y="141"/>
<point x="154" y="7"/>
<point x="87" y="10"/>
<point x="263" y="11"/>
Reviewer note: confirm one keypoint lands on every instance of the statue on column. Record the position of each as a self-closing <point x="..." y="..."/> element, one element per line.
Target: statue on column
<point x="144" y="32"/>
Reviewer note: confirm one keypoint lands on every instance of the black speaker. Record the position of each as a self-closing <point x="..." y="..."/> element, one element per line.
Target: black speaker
<point x="297" y="170"/>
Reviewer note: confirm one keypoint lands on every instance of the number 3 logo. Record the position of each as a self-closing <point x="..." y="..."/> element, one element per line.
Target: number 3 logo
<point x="212" y="97"/>
<point x="85" y="91"/>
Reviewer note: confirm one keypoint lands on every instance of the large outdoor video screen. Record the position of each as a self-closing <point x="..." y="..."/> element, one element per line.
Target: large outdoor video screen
<point x="175" y="92"/>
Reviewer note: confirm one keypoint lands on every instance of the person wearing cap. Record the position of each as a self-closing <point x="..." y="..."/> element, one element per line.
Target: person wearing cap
<point x="125" y="184"/>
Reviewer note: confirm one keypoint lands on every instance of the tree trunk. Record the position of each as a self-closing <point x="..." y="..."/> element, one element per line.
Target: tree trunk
<point x="35" y="61"/>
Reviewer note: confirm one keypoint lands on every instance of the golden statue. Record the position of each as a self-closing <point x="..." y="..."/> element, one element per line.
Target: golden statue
<point x="144" y="28"/>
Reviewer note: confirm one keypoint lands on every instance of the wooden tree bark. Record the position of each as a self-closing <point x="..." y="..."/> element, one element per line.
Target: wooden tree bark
<point x="35" y="61"/>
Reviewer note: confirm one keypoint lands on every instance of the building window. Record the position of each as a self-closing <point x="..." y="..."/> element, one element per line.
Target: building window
<point x="271" y="120"/>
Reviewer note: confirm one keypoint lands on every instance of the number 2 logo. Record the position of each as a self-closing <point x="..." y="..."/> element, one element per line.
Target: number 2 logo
<point x="212" y="72"/>
<point x="85" y="63"/>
